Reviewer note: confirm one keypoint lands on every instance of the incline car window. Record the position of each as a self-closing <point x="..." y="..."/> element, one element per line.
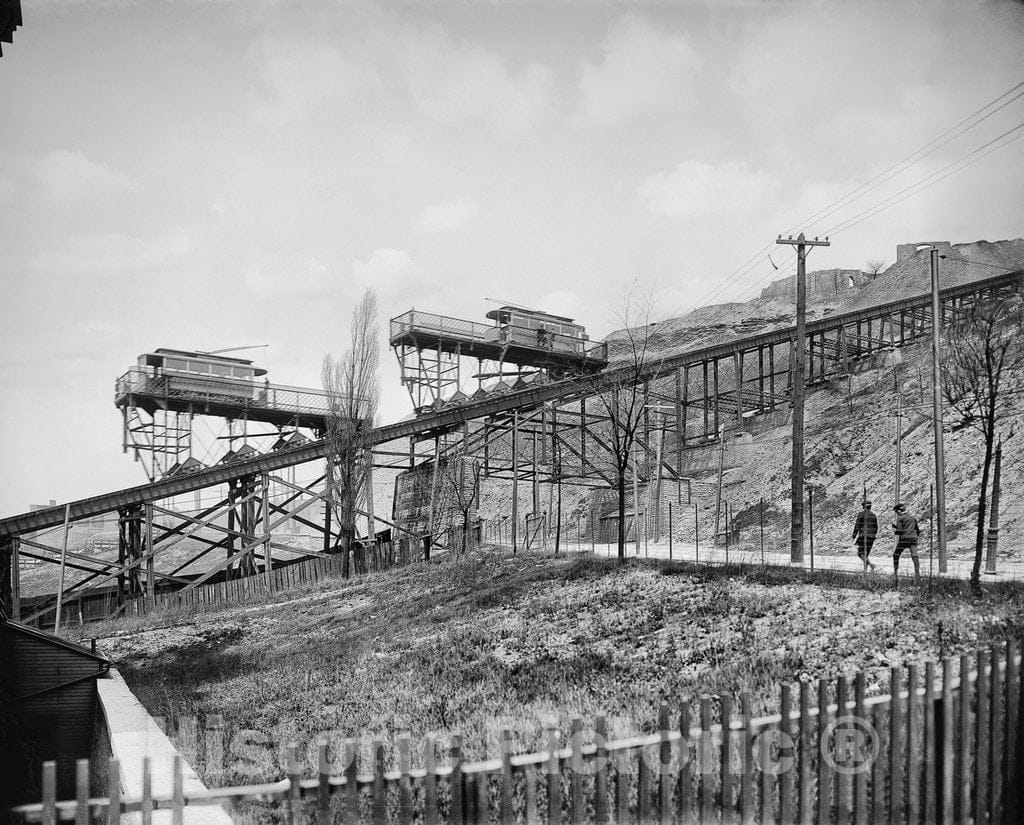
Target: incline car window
<point x="175" y="364"/>
<point x="220" y="369"/>
<point x="198" y="366"/>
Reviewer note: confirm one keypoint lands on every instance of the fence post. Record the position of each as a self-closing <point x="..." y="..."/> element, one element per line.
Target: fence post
<point x="930" y="752"/>
<point x="664" y="763"/>
<point x="761" y="520"/>
<point x="82" y="792"/>
<point x="842" y="777"/>
<point x="878" y="770"/>
<point x="804" y="732"/>
<point x="824" y="774"/>
<point x="982" y="739"/>
<point x="786" y="740"/>
<point x="114" y="791"/>
<point x="996" y="750"/>
<point x="530" y="794"/>
<point x="323" y="788"/>
<point x="728" y="797"/>
<point x="896" y="763"/>
<point x="147" y="792"/>
<point x="600" y="771"/>
<point x="380" y="808"/>
<point x="49" y="793"/>
<point x="404" y="782"/>
<point x="554" y="779"/>
<point x="429" y="783"/>
<point x="860" y="781"/>
<point x="964" y="760"/>
<point x="944" y="741"/>
<point x="764" y="755"/>
<point x="747" y="777"/>
<point x="685" y="787"/>
<point x="670" y="531"/>
<point x="696" y="535"/>
<point x="579" y="805"/>
<point x="707" y="790"/>
<point x="294" y="799"/>
<point x="1013" y="694"/>
<point x="643" y="789"/>
<point x="507" y="814"/>
<point x="913" y="747"/>
<point x="351" y="814"/>
<point x="457" y="815"/>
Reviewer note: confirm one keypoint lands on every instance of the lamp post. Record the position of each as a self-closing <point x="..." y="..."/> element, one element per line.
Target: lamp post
<point x="940" y="472"/>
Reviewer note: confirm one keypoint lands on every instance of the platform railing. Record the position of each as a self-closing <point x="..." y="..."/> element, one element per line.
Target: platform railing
<point x="200" y="389"/>
<point x="428" y="323"/>
<point x="418" y="321"/>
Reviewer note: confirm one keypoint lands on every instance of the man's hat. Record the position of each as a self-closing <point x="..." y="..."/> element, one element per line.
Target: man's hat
<point x="899" y="508"/>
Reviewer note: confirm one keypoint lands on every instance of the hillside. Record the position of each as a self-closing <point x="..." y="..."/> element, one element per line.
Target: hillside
<point x="491" y="640"/>
<point x="850" y="430"/>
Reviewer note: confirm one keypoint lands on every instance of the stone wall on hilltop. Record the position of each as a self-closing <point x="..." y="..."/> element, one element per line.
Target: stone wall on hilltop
<point x="822" y="285"/>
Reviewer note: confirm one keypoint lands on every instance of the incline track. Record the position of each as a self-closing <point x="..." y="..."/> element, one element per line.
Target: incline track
<point x="431" y="424"/>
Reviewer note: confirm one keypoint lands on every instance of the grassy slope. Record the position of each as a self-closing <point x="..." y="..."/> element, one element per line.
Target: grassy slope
<point x="492" y="641"/>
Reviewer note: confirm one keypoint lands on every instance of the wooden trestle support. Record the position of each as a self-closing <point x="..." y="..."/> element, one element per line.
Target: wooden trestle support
<point x="559" y="430"/>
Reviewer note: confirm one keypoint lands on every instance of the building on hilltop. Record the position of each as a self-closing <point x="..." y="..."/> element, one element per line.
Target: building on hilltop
<point x="908" y="250"/>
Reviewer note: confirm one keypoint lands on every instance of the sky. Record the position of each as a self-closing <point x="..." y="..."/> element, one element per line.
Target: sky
<point x="205" y="175"/>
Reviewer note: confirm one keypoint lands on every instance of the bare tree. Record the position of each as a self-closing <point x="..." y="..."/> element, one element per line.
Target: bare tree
<point x="461" y="475"/>
<point x="624" y="402"/>
<point x="874" y="267"/>
<point x="982" y="348"/>
<point x="353" y="393"/>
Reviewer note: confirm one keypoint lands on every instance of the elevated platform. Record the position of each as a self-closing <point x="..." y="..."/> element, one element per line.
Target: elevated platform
<point x="224" y="398"/>
<point x="518" y="345"/>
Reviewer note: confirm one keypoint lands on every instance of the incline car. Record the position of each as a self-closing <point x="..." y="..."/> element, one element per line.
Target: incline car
<point x="179" y="374"/>
<point x="533" y="328"/>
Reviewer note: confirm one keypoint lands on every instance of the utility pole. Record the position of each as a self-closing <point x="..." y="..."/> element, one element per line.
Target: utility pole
<point x="721" y="471"/>
<point x="940" y="462"/>
<point x="515" y="479"/>
<point x="899" y="445"/>
<point x="796" y="529"/>
<point x="993" y="518"/>
<point x="636" y="498"/>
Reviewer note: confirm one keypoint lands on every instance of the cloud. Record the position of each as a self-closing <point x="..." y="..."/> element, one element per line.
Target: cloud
<point x="114" y="253"/>
<point x="297" y="78"/>
<point x="452" y="82"/>
<point x="695" y="189"/>
<point x="384" y="67"/>
<point x="389" y="272"/>
<point x="561" y="302"/>
<point x="644" y="70"/>
<point x="67" y="175"/>
<point x="283" y="276"/>
<point x="447" y="216"/>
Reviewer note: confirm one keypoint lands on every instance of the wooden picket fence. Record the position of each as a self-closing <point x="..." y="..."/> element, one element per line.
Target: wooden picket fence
<point x="240" y="590"/>
<point x="945" y="748"/>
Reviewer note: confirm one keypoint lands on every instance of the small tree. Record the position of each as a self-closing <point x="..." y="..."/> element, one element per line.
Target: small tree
<point x="353" y="393"/>
<point x="461" y="476"/>
<point x="875" y="267"/>
<point x="982" y="347"/>
<point x="625" y="400"/>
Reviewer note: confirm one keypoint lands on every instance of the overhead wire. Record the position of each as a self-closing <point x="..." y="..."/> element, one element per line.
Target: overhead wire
<point x="917" y="156"/>
<point x="901" y="166"/>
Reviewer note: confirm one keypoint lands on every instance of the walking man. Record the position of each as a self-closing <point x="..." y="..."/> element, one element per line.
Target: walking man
<point x="907" y="531"/>
<point x="865" y="528"/>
